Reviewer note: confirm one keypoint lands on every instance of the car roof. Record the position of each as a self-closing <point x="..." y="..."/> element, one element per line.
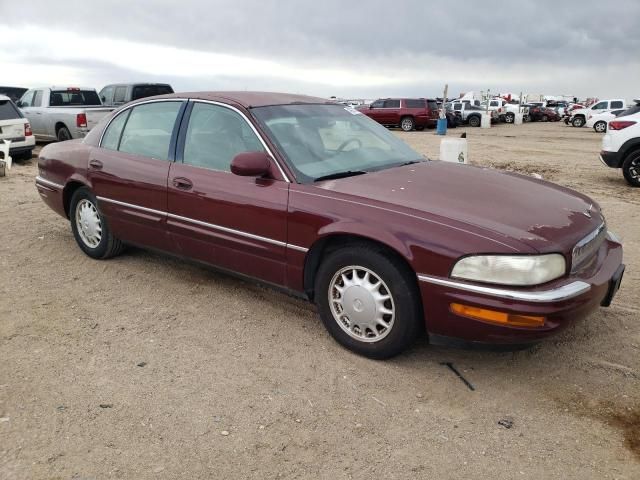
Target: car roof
<point x="136" y="84"/>
<point x="250" y="99"/>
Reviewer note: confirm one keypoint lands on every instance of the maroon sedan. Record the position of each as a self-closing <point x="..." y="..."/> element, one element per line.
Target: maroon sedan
<point x="318" y="199"/>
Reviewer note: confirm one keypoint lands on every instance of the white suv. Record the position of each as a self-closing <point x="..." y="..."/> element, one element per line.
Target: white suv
<point x="621" y="145"/>
<point x="14" y="127"/>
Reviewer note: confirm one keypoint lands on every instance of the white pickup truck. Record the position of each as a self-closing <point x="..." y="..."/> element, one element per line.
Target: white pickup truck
<point x="62" y="113"/>
<point x="506" y="111"/>
<point x="580" y="116"/>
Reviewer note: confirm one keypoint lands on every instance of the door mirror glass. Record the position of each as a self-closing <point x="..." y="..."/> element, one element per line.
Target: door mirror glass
<point x="251" y="164"/>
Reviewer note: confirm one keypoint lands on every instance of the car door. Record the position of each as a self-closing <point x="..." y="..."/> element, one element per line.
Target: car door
<point x="391" y="112"/>
<point x="376" y="110"/>
<point x="600" y="107"/>
<point x="237" y="223"/>
<point x="128" y="171"/>
<point x="34" y="112"/>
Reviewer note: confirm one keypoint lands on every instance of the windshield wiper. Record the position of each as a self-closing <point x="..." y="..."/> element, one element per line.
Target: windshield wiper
<point x="348" y="173"/>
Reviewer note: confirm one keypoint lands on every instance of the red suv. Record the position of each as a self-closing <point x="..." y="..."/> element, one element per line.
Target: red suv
<point x="406" y="113"/>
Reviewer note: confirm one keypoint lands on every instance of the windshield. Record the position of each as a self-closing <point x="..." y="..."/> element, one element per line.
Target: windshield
<point x="325" y="140"/>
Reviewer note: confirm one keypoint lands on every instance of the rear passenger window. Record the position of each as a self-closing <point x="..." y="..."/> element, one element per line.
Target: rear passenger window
<point x="616" y="104"/>
<point x="215" y="135"/>
<point x="37" y="100"/>
<point x="414" y="103"/>
<point x="392" y="104"/>
<point x="148" y="129"/>
<point x="111" y="138"/>
<point x="120" y="95"/>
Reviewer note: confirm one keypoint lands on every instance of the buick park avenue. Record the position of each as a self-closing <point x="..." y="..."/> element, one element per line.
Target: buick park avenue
<point x="317" y="199"/>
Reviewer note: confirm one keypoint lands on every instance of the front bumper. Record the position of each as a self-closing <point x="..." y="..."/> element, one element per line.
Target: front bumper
<point x="561" y="302"/>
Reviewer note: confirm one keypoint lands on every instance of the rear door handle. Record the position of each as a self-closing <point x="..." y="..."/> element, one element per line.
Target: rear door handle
<point x="95" y="164"/>
<point x="182" y="183"/>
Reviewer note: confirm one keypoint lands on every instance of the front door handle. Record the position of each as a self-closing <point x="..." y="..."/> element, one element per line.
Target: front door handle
<point x="95" y="164"/>
<point x="182" y="183"/>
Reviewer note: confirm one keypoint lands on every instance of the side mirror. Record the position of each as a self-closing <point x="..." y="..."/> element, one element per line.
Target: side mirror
<point x="251" y="164"/>
<point x="103" y="98"/>
<point x="19" y="104"/>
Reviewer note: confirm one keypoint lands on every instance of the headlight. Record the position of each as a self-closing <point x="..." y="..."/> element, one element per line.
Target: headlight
<point x="511" y="270"/>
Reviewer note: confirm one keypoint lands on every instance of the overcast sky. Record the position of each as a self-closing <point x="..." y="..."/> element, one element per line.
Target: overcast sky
<point x="358" y="49"/>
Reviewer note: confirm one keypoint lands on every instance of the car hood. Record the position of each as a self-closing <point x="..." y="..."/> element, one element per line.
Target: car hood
<point x="542" y="215"/>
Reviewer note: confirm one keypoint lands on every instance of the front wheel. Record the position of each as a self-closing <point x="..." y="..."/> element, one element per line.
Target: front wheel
<point x="509" y="118"/>
<point x="577" y="122"/>
<point x="631" y="169"/>
<point x="407" y="124"/>
<point x="90" y="227"/>
<point x="600" y="126"/>
<point x="368" y="301"/>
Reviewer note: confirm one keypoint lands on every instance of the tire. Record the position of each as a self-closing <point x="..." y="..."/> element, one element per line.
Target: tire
<point x="600" y="126"/>
<point x="407" y="124"/>
<point x="578" y="122"/>
<point x="393" y="279"/>
<point x="631" y="168"/>
<point x="94" y="238"/>
<point x="63" y="134"/>
<point x="544" y="118"/>
<point x="474" y="121"/>
<point x="510" y="118"/>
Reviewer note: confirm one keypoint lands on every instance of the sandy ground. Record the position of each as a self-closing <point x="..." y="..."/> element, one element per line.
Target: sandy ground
<point x="134" y="367"/>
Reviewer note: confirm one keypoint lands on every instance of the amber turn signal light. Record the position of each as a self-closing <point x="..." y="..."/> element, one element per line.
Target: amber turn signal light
<point x="500" y="318"/>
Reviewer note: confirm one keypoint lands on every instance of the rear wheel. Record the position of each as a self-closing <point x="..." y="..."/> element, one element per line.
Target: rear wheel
<point x="600" y="126"/>
<point x="90" y="227"/>
<point x="368" y="301"/>
<point x="577" y="122"/>
<point x="509" y="118"/>
<point x="631" y="169"/>
<point x="407" y="124"/>
<point x="63" y="134"/>
<point x="474" y="121"/>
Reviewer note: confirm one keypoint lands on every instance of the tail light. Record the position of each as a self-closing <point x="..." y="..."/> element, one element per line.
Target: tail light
<point x="81" y="120"/>
<point x="620" y="124"/>
<point x="27" y="130"/>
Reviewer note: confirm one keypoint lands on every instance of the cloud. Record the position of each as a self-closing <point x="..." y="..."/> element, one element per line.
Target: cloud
<point x="409" y="47"/>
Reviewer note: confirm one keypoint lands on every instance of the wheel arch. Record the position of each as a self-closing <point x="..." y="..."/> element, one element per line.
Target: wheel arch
<point x="60" y="125"/>
<point x="335" y="240"/>
<point x="67" y="193"/>
<point x="627" y="148"/>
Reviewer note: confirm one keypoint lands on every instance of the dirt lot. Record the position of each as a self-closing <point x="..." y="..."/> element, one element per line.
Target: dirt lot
<point x="138" y="367"/>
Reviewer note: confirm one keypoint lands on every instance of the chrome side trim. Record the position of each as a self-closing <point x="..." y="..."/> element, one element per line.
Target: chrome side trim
<point x="205" y="224"/>
<point x="228" y="230"/>
<point x="48" y="183"/>
<point x="129" y="205"/>
<point x="564" y="292"/>
<point x="296" y="247"/>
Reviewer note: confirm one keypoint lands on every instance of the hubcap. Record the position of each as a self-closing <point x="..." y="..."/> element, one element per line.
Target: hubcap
<point x="600" y="127"/>
<point x="361" y="304"/>
<point x="407" y="124"/>
<point x="88" y="223"/>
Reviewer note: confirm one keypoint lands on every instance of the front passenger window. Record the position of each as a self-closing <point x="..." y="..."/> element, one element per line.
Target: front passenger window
<point x="215" y="135"/>
<point x="149" y="128"/>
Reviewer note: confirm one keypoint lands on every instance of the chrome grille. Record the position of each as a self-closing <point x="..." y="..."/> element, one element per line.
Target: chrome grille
<point x="586" y="248"/>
